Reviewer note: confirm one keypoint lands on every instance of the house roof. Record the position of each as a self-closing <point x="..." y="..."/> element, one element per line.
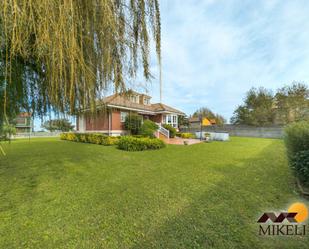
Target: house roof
<point x="122" y="100"/>
<point x="212" y="121"/>
<point x="24" y="115"/>
<point x="130" y="92"/>
<point x="194" y="119"/>
<point x="160" y="107"/>
<point x="197" y="120"/>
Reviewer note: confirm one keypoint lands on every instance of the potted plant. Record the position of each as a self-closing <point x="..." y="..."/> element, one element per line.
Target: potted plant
<point x="207" y="137"/>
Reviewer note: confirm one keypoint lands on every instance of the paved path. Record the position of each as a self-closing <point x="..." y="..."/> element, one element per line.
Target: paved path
<point x="180" y="141"/>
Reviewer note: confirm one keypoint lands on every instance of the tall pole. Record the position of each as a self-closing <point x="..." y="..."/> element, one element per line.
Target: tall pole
<point x="160" y="75"/>
<point x="201" y="123"/>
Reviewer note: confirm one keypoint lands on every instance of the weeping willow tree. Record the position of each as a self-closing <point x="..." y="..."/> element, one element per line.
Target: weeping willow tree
<point x="62" y="54"/>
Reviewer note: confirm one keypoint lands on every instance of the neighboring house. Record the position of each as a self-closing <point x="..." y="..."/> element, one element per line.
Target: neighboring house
<point x="23" y="123"/>
<point x="195" y="122"/>
<point x="113" y="110"/>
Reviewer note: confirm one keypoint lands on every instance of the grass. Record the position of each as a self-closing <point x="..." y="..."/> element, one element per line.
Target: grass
<point x="61" y="194"/>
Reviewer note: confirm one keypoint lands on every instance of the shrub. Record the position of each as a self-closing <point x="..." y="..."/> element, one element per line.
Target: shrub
<point x="296" y="139"/>
<point x="148" y="128"/>
<point x="137" y="136"/>
<point x="93" y="138"/>
<point x="58" y="125"/>
<point x="6" y="131"/>
<point x="186" y="135"/>
<point x="171" y="129"/>
<point x="130" y="143"/>
<point x="133" y="124"/>
<point x="300" y="165"/>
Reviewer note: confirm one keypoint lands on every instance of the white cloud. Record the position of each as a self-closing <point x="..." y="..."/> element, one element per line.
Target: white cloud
<point x="214" y="51"/>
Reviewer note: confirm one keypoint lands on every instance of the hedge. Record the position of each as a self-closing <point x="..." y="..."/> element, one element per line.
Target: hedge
<point x="129" y="143"/>
<point x="185" y="135"/>
<point x="93" y="138"/>
<point x="300" y="164"/>
<point x="296" y="139"/>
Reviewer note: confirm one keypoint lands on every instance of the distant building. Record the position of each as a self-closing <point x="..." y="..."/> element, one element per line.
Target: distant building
<point x="24" y="123"/>
<point x="195" y="122"/>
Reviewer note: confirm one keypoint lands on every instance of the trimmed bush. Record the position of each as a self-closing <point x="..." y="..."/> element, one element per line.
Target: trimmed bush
<point x="130" y="143"/>
<point x="93" y="138"/>
<point x="185" y="135"/>
<point x="300" y="165"/>
<point x="296" y="139"/>
<point x="148" y="128"/>
<point x="171" y="129"/>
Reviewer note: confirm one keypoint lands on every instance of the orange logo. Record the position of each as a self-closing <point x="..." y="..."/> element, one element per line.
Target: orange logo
<point x="300" y="209"/>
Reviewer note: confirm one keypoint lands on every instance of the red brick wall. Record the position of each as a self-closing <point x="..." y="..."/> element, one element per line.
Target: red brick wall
<point x="157" y="118"/>
<point x="116" y="124"/>
<point x="98" y="122"/>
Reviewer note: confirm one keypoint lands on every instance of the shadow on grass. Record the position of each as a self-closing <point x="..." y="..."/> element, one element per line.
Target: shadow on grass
<point x="225" y="216"/>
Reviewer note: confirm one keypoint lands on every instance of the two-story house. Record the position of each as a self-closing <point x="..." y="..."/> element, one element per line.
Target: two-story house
<point x="23" y="123"/>
<point x="115" y="109"/>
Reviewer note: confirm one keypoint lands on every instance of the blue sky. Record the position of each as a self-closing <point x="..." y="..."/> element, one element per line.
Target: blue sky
<point x="214" y="51"/>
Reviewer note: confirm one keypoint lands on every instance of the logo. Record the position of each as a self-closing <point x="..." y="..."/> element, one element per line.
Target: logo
<point x="285" y="223"/>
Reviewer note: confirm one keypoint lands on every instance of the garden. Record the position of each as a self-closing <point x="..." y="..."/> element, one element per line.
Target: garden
<point x="141" y="136"/>
<point x="63" y="194"/>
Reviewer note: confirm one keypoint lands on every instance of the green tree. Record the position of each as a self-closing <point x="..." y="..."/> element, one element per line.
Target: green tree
<point x="292" y="103"/>
<point x="257" y="110"/>
<point x="58" y="125"/>
<point x="148" y="128"/>
<point x="183" y="121"/>
<point x="133" y="123"/>
<point x="63" y="54"/>
<point x="241" y="116"/>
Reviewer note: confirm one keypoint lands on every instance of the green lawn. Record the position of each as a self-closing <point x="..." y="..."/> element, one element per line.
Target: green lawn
<point x="60" y="194"/>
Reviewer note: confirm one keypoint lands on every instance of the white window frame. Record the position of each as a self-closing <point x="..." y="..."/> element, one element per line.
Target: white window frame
<point x="171" y="119"/>
<point x="134" y="99"/>
<point x="146" y="101"/>
<point x="123" y="116"/>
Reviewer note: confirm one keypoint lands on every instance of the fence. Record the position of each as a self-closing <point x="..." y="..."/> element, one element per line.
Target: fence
<point x="241" y="130"/>
<point x="36" y="134"/>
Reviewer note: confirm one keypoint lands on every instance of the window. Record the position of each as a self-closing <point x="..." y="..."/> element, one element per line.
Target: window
<point x="174" y="119"/>
<point x="134" y="98"/>
<point x="146" y="101"/>
<point x="171" y="120"/>
<point x="123" y="116"/>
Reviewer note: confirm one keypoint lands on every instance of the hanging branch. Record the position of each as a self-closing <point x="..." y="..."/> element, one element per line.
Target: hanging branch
<point x="61" y="54"/>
